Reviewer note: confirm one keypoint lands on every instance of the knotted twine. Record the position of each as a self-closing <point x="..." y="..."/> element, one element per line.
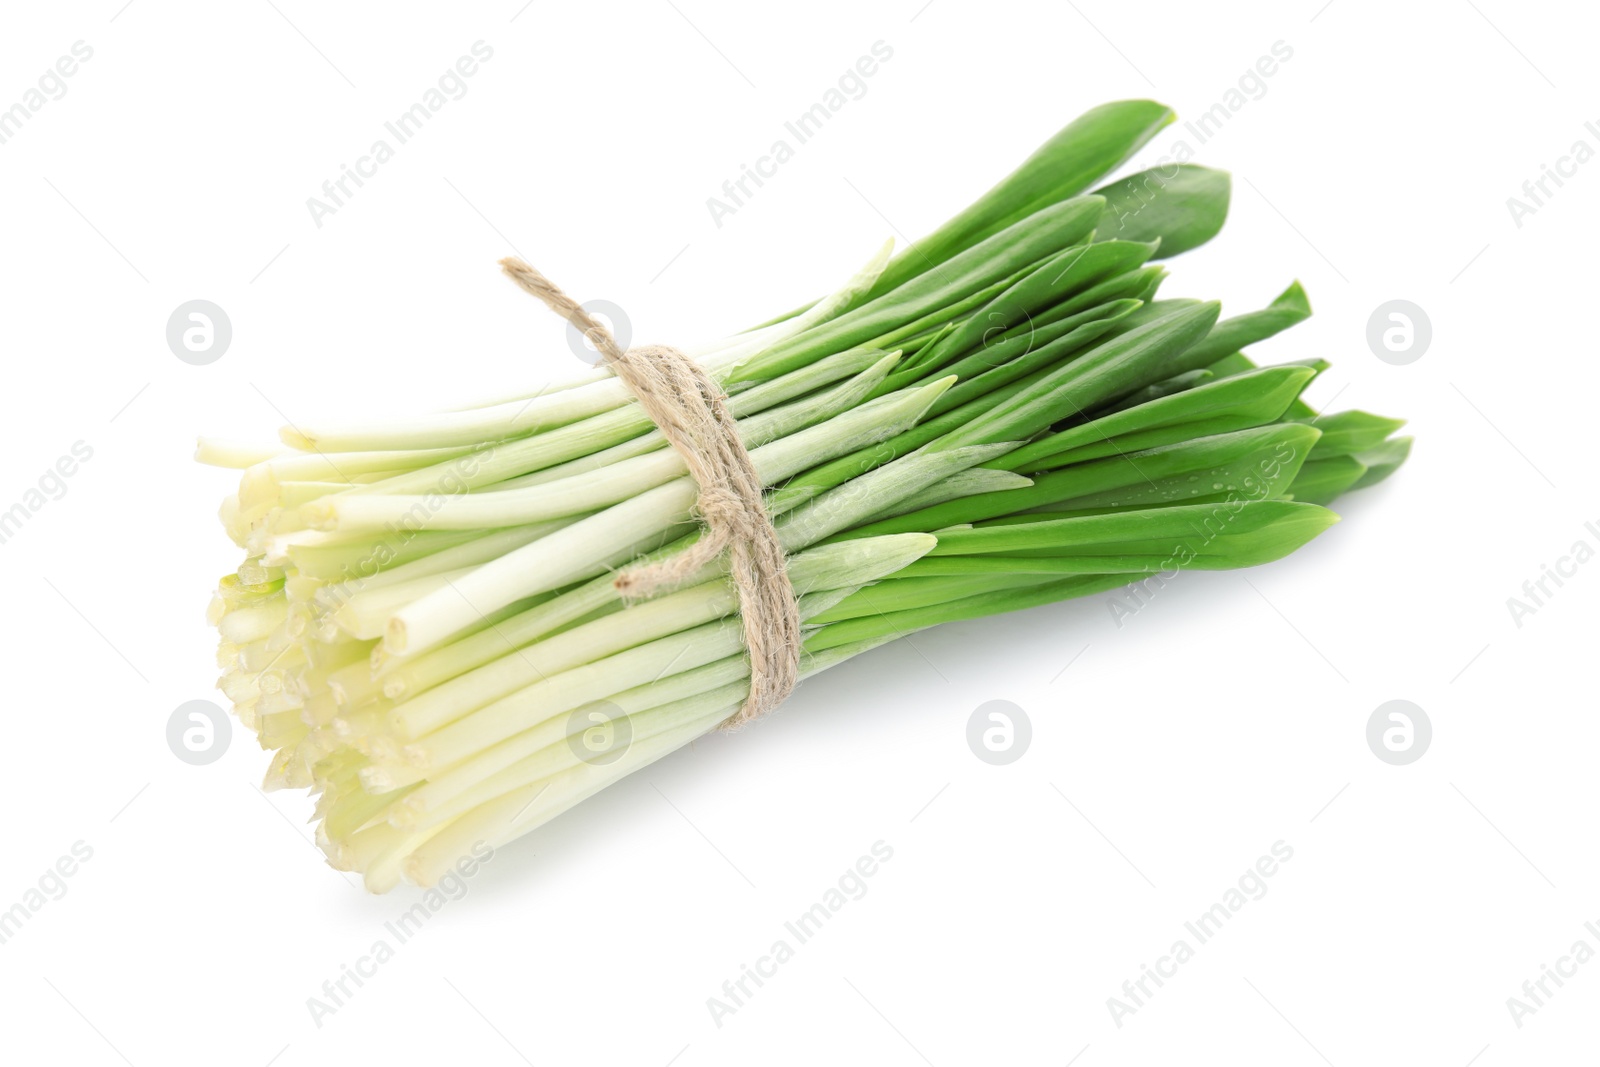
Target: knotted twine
<point x="692" y="414"/>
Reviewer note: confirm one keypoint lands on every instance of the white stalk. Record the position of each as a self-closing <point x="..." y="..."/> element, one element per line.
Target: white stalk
<point x="365" y="614"/>
<point x="524" y="810"/>
<point x="528" y="807"/>
<point x="237" y="455"/>
<point x="492" y="544"/>
<point x="848" y="564"/>
<point x="600" y="679"/>
<point x="558" y="756"/>
<point x="568" y="554"/>
<point x="588" y="491"/>
<point x="495" y="462"/>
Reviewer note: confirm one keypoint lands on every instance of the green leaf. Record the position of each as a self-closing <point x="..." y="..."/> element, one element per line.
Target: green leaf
<point x="1349" y="432"/>
<point x="873" y="624"/>
<point x="1015" y="357"/>
<point x="1214" y="536"/>
<point x="1259" y="463"/>
<point x="1322" y="480"/>
<point x="999" y="257"/>
<point x="1382" y="461"/>
<point x="1080" y="154"/>
<point x="1139" y="285"/>
<point x="1181" y="205"/>
<point x="1290" y="308"/>
<point x="1051" y="283"/>
<point x="1110" y="369"/>
<point x="1178" y="383"/>
<point x="972" y="397"/>
<point x="904" y="593"/>
<point x="1251" y="399"/>
<point x="1239" y="363"/>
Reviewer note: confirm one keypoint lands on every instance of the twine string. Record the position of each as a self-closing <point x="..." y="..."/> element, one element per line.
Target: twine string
<point x="692" y="414"/>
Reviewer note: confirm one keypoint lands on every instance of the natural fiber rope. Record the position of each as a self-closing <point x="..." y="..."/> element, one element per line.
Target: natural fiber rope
<point x="690" y="410"/>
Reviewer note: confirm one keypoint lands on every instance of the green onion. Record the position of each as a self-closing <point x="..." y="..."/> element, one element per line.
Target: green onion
<point x="425" y="630"/>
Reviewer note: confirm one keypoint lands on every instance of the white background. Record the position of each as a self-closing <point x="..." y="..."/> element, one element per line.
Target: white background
<point x="1172" y="753"/>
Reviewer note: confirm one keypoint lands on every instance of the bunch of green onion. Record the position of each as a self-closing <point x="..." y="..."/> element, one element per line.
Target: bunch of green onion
<point x="426" y="633"/>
